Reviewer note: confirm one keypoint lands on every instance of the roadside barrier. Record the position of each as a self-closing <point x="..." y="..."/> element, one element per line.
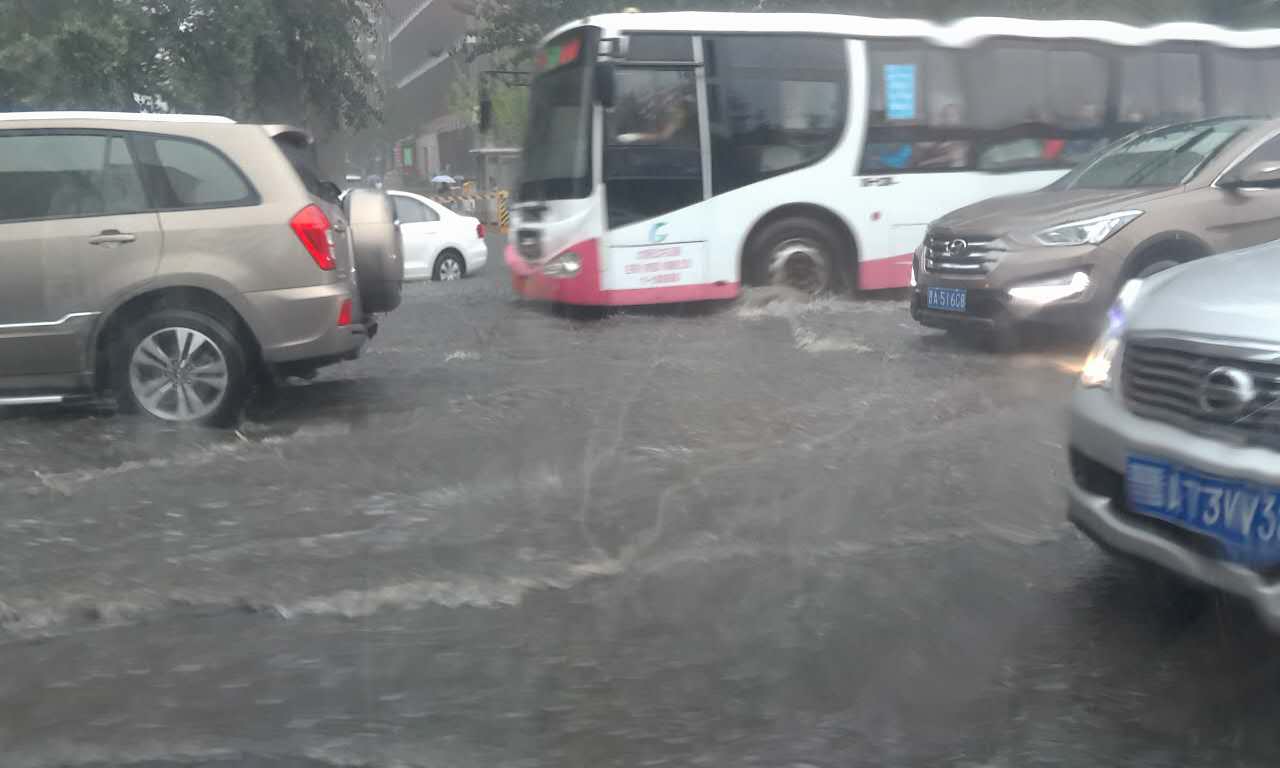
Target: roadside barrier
<point x="490" y="206"/>
<point x="447" y="199"/>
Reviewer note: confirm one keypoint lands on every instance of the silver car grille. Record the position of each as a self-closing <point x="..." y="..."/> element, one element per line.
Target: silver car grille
<point x="1226" y="393"/>
<point x="958" y="254"/>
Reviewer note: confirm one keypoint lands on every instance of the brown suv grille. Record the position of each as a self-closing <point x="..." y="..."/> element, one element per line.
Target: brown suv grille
<point x="957" y="254"/>
<point x="1191" y="389"/>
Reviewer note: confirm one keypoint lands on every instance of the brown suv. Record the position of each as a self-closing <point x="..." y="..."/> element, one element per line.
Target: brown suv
<point x="1059" y="256"/>
<point x="173" y="260"/>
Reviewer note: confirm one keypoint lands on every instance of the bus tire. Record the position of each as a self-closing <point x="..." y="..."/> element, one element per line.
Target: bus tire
<point x="797" y="252"/>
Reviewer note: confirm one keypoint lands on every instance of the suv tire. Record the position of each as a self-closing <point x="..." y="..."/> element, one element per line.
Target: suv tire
<point x="181" y="366"/>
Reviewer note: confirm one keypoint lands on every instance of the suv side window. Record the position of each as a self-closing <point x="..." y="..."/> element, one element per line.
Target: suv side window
<point x="410" y="211"/>
<point x="121" y="184"/>
<point x="66" y="175"/>
<point x="194" y="175"/>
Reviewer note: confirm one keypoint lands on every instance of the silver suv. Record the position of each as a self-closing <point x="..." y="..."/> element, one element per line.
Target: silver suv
<point x="174" y="261"/>
<point x="1175" y="427"/>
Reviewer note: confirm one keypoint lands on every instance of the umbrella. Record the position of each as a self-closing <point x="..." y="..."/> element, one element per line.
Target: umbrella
<point x="442" y="179"/>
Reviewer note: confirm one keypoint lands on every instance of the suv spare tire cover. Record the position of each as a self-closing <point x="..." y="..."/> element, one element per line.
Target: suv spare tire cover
<point x="377" y="249"/>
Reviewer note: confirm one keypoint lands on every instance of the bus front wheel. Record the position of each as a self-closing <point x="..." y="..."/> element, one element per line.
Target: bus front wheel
<point x="796" y="252"/>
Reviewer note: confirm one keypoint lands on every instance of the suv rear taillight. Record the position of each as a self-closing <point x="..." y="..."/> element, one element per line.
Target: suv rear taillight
<point x="480" y="230"/>
<point x="312" y="228"/>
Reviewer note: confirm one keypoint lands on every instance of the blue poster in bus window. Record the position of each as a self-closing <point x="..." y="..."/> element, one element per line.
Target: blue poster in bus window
<point x="900" y="91"/>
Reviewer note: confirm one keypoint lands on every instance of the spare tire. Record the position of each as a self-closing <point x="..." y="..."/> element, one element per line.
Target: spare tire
<point x="377" y="249"/>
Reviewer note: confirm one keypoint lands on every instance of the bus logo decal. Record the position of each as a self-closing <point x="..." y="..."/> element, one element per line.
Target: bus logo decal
<point x="656" y="235"/>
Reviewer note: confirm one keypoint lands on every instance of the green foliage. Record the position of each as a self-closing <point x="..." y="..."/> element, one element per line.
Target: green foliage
<point x="264" y="60"/>
<point x="55" y="52"/>
<point x="512" y="27"/>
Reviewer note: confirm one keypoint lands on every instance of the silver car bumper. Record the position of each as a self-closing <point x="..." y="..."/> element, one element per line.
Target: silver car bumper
<point x="1104" y="432"/>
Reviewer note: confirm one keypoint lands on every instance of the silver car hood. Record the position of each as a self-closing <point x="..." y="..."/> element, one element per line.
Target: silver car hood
<point x="1232" y="296"/>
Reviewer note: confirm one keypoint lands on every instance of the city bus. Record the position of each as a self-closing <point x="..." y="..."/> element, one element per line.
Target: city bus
<point x="678" y="156"/>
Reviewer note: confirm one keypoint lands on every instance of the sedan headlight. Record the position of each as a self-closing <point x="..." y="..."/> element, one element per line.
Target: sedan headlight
<point x="1097" y="366"/>
<point x="1087" y="232"/>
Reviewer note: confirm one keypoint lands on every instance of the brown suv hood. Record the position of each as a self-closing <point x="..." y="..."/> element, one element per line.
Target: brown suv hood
<point x="1034" y="211"/>
<point x="1230" y="296"/>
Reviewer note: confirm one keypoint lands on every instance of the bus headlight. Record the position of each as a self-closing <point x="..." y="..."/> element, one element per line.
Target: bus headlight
<point x="567" y="264"/>
<point x="1096" y="372"/>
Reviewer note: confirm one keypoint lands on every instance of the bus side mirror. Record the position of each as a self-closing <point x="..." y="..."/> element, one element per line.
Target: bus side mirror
<point x="605" y="84"/>
<point x="486" y="111"/>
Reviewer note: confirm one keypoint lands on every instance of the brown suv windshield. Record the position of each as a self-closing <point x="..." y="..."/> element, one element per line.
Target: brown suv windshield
<point x="1161" y="158"/>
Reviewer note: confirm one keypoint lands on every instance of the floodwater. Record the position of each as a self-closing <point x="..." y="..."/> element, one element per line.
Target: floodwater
<point x="773" y="533"/>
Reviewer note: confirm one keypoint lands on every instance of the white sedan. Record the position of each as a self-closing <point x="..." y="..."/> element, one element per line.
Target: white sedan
<point x="438" y="243"/>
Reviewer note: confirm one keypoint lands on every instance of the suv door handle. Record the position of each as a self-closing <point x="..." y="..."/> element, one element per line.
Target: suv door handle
<point x="111" y="237"/>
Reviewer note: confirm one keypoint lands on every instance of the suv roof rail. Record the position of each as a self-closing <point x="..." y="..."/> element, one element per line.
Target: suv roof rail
<point x="141" y="117"/>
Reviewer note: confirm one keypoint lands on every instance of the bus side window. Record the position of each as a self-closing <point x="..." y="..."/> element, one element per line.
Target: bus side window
<point x="1243" y="82"/>
<point x="918" y="108"/>
<point x="1161" y="86"/>
<point x="776" y="103"/>
<point x="1040" y="108"/>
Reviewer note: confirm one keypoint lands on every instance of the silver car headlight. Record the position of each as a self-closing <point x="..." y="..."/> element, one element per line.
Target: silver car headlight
<point x="1088" y="232"/>
<point x="1097" y="369"/>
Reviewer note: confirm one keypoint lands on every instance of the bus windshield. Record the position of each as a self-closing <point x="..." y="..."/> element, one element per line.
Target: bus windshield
<point x="1162" y="158"/>
<point x="557" y="152"/>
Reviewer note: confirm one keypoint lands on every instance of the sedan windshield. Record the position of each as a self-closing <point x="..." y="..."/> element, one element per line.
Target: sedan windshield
<point x="1163" y="158"/>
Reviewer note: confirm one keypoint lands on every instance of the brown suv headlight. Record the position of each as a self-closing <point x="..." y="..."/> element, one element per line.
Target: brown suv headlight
<point x="1088" y="232"/>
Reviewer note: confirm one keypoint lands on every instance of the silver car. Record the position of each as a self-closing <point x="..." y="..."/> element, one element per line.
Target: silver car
<point x="175" y="261"/>
<point x="1175" y="426"/>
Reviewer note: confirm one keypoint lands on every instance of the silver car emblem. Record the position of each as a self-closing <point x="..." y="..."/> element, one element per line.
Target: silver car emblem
<point x="957" y="247"/>
<point x="1226" y="392"/>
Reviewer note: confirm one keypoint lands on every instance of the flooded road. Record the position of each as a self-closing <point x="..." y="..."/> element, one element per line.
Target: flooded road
<point x="775" y="533"/>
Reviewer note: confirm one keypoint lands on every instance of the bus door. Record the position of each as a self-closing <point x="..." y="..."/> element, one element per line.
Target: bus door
<point x="654" y="167"/>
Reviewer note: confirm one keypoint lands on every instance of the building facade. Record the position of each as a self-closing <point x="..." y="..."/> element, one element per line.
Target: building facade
<point x="424" y="62"/>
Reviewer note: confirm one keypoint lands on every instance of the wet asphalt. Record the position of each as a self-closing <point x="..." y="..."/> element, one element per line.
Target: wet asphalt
<point x="771" y="533"/>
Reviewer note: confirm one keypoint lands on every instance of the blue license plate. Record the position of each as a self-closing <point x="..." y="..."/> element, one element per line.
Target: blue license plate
<point x="947" y="299"/>
<point x="1242" y="516"/>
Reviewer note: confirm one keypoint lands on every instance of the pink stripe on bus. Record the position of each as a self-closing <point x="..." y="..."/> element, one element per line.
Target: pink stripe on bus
<point x="584" y="289"/>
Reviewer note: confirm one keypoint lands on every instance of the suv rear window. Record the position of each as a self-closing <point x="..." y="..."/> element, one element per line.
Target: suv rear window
<point x="302" y="157"/>
<point x="199" y="177"/>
